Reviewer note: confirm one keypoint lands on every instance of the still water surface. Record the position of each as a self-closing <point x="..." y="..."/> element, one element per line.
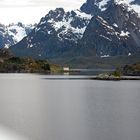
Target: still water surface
<point x="37" y="107"/>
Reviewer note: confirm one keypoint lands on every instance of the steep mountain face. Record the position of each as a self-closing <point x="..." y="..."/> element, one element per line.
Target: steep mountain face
<point x="116" y="31"/>
<point x="101" y="28"/>
<point x="13" y="33"/>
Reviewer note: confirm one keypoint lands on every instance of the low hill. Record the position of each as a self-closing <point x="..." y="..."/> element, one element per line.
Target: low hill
<point x="12" y="64"/>
<point x="132" y="70"/>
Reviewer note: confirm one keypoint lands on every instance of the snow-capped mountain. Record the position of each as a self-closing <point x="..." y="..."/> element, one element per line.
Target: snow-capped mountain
<point x="58" y="32"/>
<point x="67" y="25"/>
<point x="116" y="29"/>
<point x="13" y="33"/>
<point x="100" y="27"/>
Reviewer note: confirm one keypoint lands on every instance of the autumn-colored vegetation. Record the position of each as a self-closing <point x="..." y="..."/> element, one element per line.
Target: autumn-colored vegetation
<point x="12" y="64"/>
<point x="132" y="69"/>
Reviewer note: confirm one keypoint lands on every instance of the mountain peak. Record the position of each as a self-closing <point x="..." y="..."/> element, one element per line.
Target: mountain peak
<point x="88" y="7"/>
<point x="56" y="14"/>
<point x="57" y="11"/>
<point x="96" y="6"/>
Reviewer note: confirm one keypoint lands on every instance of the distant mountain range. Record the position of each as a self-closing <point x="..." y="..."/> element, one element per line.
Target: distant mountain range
<point x="100" y="29"/>
<point x="13" y="33"/>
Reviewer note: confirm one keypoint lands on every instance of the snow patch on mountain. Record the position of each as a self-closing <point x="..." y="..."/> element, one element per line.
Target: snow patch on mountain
<point x="102" y="4"/>
<point x="136" y="8"/>
<point x="124" y="33"/>
<point x="18" y="33"/>
<point x="104" y="56"/>
<point x="66" y="24"/>
<point x="130" y="5"/>
<point x="82" y="14"/>
<point x="6" y="46"/>
<point x="115" y="25"/>
<point x="124" y="1"/>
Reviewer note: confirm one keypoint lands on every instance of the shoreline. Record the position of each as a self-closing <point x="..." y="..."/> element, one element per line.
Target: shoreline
<point x="117" y="78"/>
<point x="81" y="77"/>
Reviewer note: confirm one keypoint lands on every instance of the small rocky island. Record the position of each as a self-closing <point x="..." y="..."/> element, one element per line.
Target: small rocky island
<point x="12" y="64"/>
<point x="106" y="76"/>
<point x="128" y="72"/>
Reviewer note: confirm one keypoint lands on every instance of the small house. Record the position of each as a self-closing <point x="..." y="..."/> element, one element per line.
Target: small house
<point x="66" y="68"/>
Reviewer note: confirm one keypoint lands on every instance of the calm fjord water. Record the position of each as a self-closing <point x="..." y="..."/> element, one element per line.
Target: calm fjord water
<point x="40" y="108"/>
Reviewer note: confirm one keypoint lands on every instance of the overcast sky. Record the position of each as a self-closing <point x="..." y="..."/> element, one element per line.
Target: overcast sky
<point x="30" y="11"/>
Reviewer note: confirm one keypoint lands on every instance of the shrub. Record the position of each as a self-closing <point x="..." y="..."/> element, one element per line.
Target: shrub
<point x="117" y="73"/>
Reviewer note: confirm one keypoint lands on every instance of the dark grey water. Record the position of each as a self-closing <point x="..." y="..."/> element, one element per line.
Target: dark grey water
<point x="90" y="71"/>
<point x="33" y="107"/>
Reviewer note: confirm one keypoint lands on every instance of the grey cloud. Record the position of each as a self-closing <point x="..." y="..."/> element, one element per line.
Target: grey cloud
<point x="50" y="3"/>
<point x="56" y="2"/>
